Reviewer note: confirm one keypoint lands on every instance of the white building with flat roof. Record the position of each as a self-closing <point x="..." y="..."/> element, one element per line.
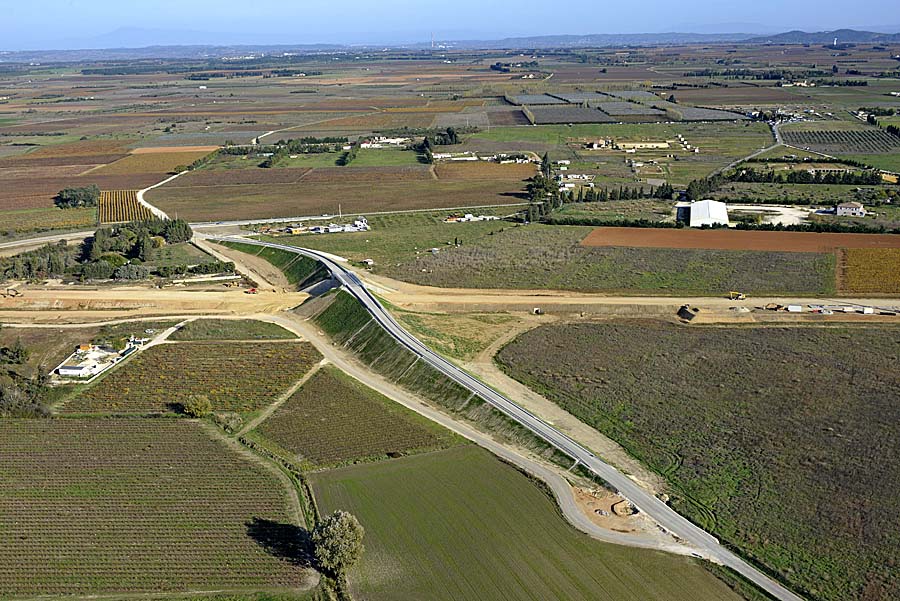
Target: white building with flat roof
<point x="708" y="212"/>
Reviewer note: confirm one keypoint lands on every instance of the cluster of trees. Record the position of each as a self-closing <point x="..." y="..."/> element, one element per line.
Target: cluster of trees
<point x="23" y="398"/>
<point x="284" y="148"/>
<point x="168" y="271"/>
<point x="52" y="259"/>
<point x="349" y="155"/>
<point x="449" y="137"/>
<point x="878" y="111"/>
<point x="16" y="354"/>
<point x="700" y="188"/>
<point x="820" y="227"/>
<point x="769" y="75"/>
<point x="337" y="543"/>
<point x="663" y="192"/>
<point x="605" y="222"/>
<point x="842" y="83"/>
<point x="893" y="130"/>
<point x="864" y="178"/>
<point x="507" y="67"/>
<point x="70" y="198"/>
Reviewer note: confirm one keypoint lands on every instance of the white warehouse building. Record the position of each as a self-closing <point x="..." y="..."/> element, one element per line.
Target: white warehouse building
<point x="708" y="212"/>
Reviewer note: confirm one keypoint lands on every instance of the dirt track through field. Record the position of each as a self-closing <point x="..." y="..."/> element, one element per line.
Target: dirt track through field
<point x="727" y="239"/>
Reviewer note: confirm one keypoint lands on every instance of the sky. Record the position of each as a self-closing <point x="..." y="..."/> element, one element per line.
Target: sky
<point x="66" y="24"/>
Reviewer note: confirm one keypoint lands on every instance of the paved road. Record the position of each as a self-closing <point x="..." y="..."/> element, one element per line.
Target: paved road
<point x="664" y="515"/>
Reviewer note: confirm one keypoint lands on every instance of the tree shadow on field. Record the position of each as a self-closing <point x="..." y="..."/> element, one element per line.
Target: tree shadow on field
<point x="285" y="541"/>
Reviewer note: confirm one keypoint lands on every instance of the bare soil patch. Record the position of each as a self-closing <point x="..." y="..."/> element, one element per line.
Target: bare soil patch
<point x="723" y="239"/>
<point x="483" y="170"/>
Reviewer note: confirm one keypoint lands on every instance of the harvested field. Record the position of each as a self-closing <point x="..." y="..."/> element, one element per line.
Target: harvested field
<point x="12" y="173"/>
<point x="235" y="376"/>
<point x="150" y="162"/>
<point x="537" y="99"/>
<point x="202" y="150"/>
<point x="118" y="206"/>
<point x="629" y="108"/>
<point x="46" y="219"/>
<point x="375" y="121"/>
<point x="235" y="177"/>
<point x="569" y="114"/>
<point x="311" y="427"/>
<point x="85" y="161"/>
<point x="865" y="141"/>
<point x="81" y="149"/>
<point x="231" y="329"/>
<point x="869" y="271"/>
<point x="779" y="440"/>
<point x="484" y="170"/>
<point x="329" y="175"/>
<point x="215" y="203"/>
<point x="727" y="239"/>
<point x="136" y="506"/>
<point x="496" y="536"/>
<point x="39" y="192"/>
<point x="505" y="118"/>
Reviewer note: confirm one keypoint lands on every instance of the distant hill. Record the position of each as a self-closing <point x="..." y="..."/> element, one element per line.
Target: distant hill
<point x="108" y="47"/>
<point x="844" y="36"/>
<point x="602" y="40"/>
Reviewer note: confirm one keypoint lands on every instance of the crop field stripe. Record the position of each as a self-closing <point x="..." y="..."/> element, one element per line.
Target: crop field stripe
<point x="726" y="239"/>
<point x="119" y="206"/>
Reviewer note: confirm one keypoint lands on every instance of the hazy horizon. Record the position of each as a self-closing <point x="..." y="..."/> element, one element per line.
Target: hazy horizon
<point x="70" y="24"/>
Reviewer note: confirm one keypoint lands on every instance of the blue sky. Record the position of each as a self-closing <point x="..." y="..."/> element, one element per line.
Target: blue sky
<point x="37" y="24"/>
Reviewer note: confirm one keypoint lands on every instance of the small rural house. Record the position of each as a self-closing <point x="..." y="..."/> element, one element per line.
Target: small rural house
<point x="850" y="209"/>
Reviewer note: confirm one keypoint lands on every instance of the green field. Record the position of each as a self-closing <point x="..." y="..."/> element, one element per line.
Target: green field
<point x="459" y="524"/>
<point x="334" y="419"/>
<point x="231" y="329"/>
<point x="386" y="157"/>
<point x="137" y="506"/>
<point x="778" y="440"/>
<point x="888" y="162"/>
<point x="183" y="253"/>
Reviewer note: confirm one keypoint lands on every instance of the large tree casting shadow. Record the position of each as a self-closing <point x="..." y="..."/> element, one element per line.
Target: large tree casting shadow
<point x="285" y="541"/>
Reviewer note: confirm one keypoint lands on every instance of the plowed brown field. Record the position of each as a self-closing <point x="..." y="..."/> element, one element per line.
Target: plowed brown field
<point x="723" y="239"/>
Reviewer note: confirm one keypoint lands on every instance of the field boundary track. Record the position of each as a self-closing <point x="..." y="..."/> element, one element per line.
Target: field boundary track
<point x="728" y="239"/>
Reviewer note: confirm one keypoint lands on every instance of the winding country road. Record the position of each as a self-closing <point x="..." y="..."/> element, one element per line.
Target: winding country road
<point x="706" y="544"/>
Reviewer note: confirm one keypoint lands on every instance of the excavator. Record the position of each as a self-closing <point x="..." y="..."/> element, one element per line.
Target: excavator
<point x="734" y="295"/>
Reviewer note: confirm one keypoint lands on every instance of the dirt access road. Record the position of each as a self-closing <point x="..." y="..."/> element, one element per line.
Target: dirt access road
<point x="70" y="304"/>
<point x="454" y="300"/>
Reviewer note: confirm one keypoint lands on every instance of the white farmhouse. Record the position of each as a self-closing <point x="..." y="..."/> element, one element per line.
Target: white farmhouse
<point x="850" y="209"/>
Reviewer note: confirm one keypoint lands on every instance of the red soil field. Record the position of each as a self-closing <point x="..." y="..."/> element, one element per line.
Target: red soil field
<point x="723" y="239"/>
